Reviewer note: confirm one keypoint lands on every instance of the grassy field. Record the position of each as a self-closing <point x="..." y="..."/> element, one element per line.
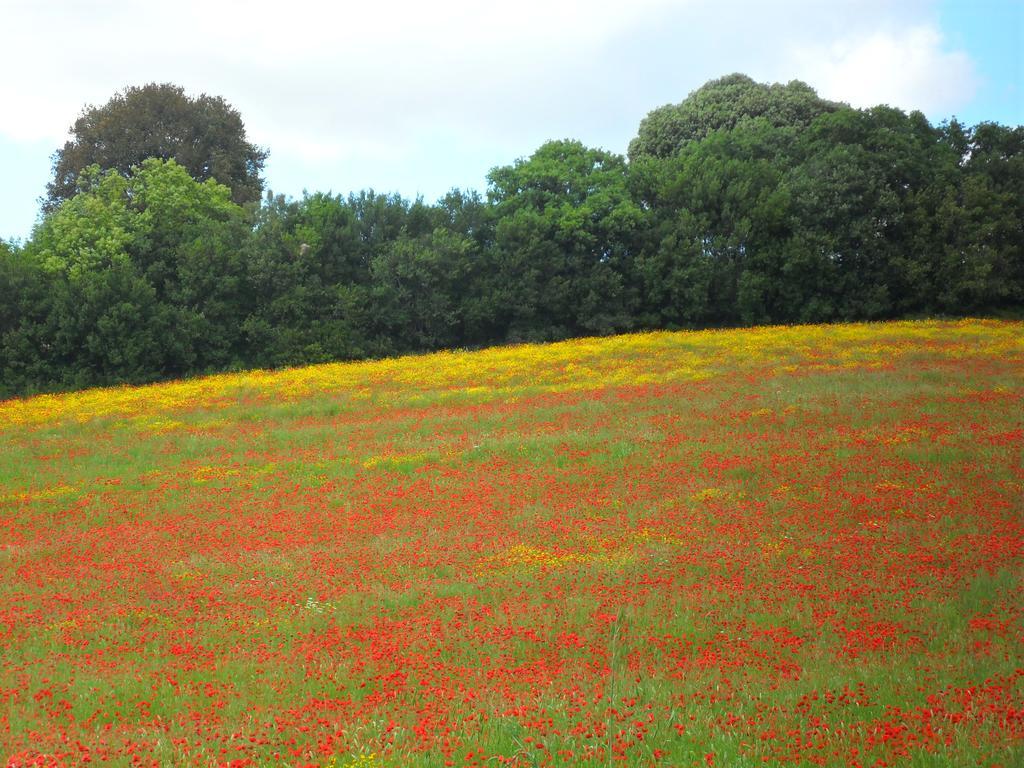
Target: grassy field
<point x="796" y="546"/>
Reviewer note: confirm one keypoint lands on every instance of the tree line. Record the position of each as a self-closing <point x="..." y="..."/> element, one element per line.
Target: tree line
<point x="746" y="203"/>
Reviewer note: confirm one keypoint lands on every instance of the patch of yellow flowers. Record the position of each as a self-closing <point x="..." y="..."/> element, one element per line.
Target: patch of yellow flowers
<point x="46" y="494"/>
<point x="525" y="556"/>
<point x="505" y="372"/>
<point x="361" y="760"/>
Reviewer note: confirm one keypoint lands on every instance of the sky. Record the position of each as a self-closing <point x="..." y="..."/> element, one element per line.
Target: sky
<point x="420" y="97"/>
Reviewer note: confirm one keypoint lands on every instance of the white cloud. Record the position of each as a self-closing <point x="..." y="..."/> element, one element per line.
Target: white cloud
<point x="303" y="66"/>
<point x="415" y="96"/>
<point x="309" y="75"/>
<point x="908" y="68"/>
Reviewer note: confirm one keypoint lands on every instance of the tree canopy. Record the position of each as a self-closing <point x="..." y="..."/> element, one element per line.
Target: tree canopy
<point x="203" y="135"/>
<point x="722" y="104"/>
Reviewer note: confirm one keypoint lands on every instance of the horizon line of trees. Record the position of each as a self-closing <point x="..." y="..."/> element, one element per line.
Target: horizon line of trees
<point x="744" y="204"/>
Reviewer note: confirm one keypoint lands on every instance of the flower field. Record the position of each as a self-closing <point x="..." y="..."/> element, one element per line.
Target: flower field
<point x="786" y="546"/>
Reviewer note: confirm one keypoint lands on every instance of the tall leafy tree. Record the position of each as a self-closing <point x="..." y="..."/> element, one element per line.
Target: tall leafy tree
<point x="144" y="273"/>
<point x="723" y="103"/>
<point x="418" y="284"/>
<point x="205" y="135"/>
<point x="104" y="323"/>
<point x="309" y="274"/>
<point x="187" y="241"/>
<point x="981" y="226"/>
<point x="24" y="313"/>
<point x="563" y="243"/>
<point x="860" y="177"/>
<point x="718" y="216"/>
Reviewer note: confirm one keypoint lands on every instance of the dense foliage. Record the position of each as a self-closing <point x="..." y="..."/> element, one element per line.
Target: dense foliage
<point x="744" y="204"/>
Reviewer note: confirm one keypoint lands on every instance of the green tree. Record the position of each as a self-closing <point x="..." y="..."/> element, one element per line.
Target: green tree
<point x="980" y="227"/>
<point x="418" y="283"/>
<point x="723" y="103"/>
<point x="188" y="241"/>
<point x="718" y="219"/>
<point x="467" y="213"/>
<point x="308" y="290"/>
<point x="562" y="258"/>
<point x="24" y="312"/>
<point x="859" y="188"/>
<point x="144" y="273"/>
<point x="204" y="135"/>
<point x="103" y="323"/>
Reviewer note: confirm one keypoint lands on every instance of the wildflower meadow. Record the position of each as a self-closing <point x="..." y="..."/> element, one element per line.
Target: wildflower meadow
<point x="795" y="546"/>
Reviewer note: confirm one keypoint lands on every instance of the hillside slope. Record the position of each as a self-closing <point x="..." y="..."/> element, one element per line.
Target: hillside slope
<point x="798" y="544"/>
